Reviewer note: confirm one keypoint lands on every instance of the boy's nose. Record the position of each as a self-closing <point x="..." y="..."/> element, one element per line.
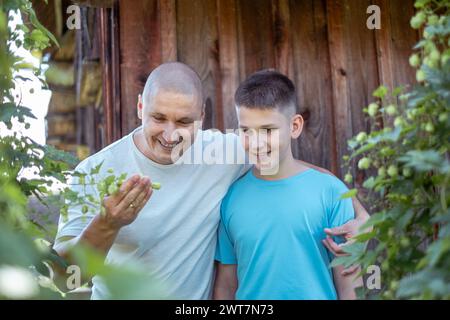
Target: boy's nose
<point x="258" y="144"/>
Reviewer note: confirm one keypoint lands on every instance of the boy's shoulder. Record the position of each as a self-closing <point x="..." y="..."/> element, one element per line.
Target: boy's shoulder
<point x="327" y="179"/>
<point x="326" y="183"/>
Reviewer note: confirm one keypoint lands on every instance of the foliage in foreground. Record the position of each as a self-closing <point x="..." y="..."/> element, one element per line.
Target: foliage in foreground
<point x="407" y="164"/>
<point x="27" y="261"/>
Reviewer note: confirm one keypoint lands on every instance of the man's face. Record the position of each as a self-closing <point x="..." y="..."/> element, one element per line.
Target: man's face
<point x="169" y="122"/>
<point x="266" y="136"/>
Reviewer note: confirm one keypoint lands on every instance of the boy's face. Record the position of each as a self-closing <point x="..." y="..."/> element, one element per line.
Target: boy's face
<point x="266" y="136"/>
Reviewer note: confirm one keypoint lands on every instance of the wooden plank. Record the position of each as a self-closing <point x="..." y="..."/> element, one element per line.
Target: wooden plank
<point x="312" y="80"/>
<point x="353" y="68"/>
<point x="282" y="37"/>
<point x="140" y="52"/>
<point x="109" y="58"/>
<point x="283" y="46"/>
<point x="229" y="58"/>
<point x="198" y="47"/>
<point x="167" y="10"/>
<point x="394" y="41"/>
<point x="256" y="43"/>
<point x="384" y="46"/>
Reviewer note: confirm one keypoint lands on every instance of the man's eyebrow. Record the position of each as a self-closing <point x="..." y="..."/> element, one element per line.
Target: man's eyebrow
<point x="158" y="114"/>
<point x="186" y="119"/>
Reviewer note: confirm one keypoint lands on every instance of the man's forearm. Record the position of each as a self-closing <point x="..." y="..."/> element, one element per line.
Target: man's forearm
<point x="345" y="285"/>
<point x="224" y="293"/>
<point x="360" y="212"/>
<point x="98" y="235"/>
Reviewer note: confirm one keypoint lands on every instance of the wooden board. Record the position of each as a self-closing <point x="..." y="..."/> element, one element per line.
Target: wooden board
<point x="229" y="59"/>
<point x="255" y="36"/>
<point x="324" y="46"/>
<point x="198" y="47"/>
<point x="140" y="53"/>
<point x="314" y="89"/>
<point x="354" y="69"/>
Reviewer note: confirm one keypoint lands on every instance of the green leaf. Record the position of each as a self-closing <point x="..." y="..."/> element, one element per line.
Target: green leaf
<point x="380" y="92"/>
<point x="349" y="194"/>
<point x="97" y="168"/>
<point x="426" y="160"/>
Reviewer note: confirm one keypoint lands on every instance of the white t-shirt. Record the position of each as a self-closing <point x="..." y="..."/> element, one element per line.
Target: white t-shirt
<point x="174" y="236"/>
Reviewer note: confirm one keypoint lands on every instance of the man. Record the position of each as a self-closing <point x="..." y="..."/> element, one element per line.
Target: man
<point x="174" y="234"/>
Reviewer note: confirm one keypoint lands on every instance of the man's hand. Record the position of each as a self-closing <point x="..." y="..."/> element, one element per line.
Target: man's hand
<point x="123" y="207"/>
<point x="348" y="231"/>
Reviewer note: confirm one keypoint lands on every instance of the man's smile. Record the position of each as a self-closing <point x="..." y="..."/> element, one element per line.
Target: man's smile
<point x="168" y="146"/>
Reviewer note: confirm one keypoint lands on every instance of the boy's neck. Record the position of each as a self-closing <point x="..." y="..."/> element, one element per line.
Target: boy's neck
<point x="287" y="168"/>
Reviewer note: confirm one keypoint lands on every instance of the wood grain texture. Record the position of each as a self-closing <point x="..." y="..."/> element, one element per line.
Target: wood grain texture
<point x="140" y="49"/>
<point x="229" y="58"/>
<point x="324" y="46"/>
<point x="256" y="40"/>
<point x="167" y="10"/>
<point x="353" y="68"/>
<point x="394" y="43"/>
<point x="313" y="83"/>
<point x="198" y="47"/>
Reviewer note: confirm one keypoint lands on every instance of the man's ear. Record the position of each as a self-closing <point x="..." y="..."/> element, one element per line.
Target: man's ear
<point x="203" y="113"/>
<point x="297" y="123"/>
<point x="139" y="107"/>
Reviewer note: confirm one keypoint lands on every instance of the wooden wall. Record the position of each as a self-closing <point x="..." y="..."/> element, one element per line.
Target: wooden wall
<point x="323" y="45"/>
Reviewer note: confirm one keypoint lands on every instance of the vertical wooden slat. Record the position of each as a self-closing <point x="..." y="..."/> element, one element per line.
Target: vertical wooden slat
<point x="384" y="46"/>
<point x="140" y="44"/>
<point x="167" y="9"/>
<point x="256" y="45"/>
<point x="312" y="79"/>
<point x="282" y="37"/>
<point x="198" y="46"/>
<point x="229" y="59"/>
<point x="394" y="42"/>
<point x="109" y="56"/>
<point x="353" y="68"/>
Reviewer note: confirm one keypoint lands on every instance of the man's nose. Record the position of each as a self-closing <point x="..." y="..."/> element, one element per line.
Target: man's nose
<point x="170" y="133"/>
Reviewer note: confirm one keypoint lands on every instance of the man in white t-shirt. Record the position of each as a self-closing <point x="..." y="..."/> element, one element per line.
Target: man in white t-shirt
<point x="174" y="234"/>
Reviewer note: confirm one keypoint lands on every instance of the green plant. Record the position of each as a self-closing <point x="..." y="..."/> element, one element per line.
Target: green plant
<point x="406" y="161"/>
<point x="26" y="259"/>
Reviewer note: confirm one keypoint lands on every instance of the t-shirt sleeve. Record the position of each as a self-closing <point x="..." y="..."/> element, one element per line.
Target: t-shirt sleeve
<point x="225" y="253"/>
<point x="341" y="209"/>
<point x="76" y="221"/>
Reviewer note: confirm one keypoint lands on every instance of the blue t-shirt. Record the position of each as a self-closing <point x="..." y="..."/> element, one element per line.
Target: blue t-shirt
<point x="273" y="230"/>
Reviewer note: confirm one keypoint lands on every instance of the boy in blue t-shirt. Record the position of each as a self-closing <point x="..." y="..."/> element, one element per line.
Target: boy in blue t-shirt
<point x="272" y="219"/>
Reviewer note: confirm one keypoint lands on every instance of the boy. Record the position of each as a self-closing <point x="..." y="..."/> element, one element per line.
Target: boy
<point x="272" y="219"/>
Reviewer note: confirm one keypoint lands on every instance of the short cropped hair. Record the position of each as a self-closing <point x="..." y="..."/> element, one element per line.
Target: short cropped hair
<point x="267" y="89"/>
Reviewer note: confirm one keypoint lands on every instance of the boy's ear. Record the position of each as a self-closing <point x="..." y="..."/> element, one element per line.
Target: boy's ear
<point x="139" y="107"/>
<point x="296" y="126"/>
